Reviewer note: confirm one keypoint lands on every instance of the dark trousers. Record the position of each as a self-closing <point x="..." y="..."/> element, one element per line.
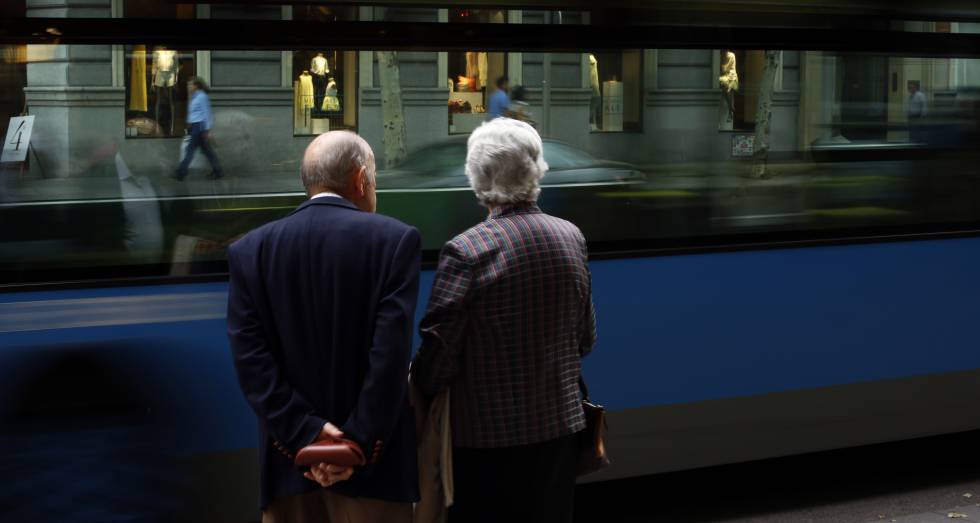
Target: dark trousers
<point x="319" y="91"/>
<point x="171" y="106"/>
<point x="323" y="506"/>
<point x="198" y="140"/>
<point x="532" y="483"/>
<point x="917" y="131"/>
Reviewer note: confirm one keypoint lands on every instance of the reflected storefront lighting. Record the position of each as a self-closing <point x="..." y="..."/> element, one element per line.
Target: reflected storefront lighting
<point x="645" y="145"/>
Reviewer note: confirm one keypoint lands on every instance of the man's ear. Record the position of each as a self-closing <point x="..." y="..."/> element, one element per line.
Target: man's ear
<point x="359" y="179"/>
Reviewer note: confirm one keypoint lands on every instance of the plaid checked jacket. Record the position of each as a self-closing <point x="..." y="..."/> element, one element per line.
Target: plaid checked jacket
<point x="508" y="322"/>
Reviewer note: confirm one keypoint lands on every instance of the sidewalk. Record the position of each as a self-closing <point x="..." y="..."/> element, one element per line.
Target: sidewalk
<point x="966" y="514"/>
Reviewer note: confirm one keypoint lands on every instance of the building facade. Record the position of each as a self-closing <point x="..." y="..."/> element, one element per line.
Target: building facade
<point x="643" y="106"/>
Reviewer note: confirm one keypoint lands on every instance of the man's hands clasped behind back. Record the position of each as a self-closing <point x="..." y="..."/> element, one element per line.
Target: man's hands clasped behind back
<point x="324" y="474"/>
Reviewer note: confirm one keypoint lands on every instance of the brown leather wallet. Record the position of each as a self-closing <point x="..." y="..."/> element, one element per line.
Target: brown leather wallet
<point x="341" y="452"/>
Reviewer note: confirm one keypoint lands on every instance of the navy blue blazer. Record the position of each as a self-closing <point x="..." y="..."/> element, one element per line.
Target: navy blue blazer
<point x="320" y="311"/>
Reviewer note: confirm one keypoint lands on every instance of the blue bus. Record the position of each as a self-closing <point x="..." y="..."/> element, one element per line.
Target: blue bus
<point x="783" y="246"/>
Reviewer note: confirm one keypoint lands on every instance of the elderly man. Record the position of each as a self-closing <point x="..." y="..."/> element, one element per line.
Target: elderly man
<point x="508" y="322"/>
<point x="320" y="314"/>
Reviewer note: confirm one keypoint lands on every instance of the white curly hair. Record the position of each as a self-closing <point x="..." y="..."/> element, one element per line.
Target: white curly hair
<point x="504" y="162"/>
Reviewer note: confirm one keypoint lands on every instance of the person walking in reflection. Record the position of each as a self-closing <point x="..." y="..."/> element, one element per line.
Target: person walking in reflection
<point x="916" y="111"/>
<point x="508" y="322"/>
<point x="200" y="120"/>
<point x="321" y="307"/>
<point x="499" y="100"/>
<point x="519" y="108"/>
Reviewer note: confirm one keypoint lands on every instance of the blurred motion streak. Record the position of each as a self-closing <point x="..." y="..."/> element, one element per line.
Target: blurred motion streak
<point x="22" y="316"/>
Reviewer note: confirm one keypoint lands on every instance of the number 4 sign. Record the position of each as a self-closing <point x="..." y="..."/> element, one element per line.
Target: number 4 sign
<point x="18" y="139"/>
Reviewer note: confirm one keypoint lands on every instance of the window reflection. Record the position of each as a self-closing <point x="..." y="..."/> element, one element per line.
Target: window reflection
<point x="472" y="75"/>
<point x="636" y="139"/>
<point x="616" y="83"/>
<point x="156" y="90"/>
<point x="324" y="89"/>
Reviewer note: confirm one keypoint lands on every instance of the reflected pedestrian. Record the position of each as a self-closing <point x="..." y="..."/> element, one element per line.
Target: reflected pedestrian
<point x="519" y="108"/>
<point x="508" y="322"/>
<point x="201" y="121"/>
<point x="499" y="100"/>
<point x="917" y="111"/>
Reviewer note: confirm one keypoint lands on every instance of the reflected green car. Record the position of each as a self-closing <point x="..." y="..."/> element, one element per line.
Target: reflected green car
<point x="430" y="190"/>
<point x="442" y="165"/>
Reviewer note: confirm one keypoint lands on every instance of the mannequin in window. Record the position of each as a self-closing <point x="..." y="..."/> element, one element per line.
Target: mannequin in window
<point x="728" y="82"/>
<point x="331" y="103"/>
<point x="319" y="67"/>
<point x="476" y="67"/>
<point x="306" y="96"/>
<point x="595" y="103"/>
<point x="164" y="70"/>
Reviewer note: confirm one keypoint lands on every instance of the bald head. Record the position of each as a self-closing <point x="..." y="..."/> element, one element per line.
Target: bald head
<point x="333" y="159"/>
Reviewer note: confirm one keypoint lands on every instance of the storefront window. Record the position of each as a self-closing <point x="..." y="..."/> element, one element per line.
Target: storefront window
<point x="13" y="78"/>
<point x="670" y="181"/>
<point x="324" y="81"/>
<point x="740" y="78"/>
<point x="156" y="90"/>
<point x="470" y="84"/>
<point x="473" y="75"/>
<point x="156" y="76"/>
<point x="615" y="81"/>
<point x="13" y="70"/>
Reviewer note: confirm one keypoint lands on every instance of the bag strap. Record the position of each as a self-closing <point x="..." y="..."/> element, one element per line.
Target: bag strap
<point x="583" y="387"/>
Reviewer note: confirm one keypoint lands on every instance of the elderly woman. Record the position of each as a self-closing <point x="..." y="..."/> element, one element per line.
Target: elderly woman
<point x="508" y="322"/>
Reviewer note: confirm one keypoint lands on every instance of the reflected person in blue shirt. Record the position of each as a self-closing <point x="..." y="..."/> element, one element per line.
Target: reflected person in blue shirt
<point x="499" y="101"/>
<point x="200" y="121"/>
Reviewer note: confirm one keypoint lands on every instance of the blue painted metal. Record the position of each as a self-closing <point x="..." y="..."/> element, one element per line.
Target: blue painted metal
<point x="693" y="328"/>
<point x="674" y="329"/>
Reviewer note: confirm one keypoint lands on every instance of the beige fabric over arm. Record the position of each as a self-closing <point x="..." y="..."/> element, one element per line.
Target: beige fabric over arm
<point x="435" y="456"/>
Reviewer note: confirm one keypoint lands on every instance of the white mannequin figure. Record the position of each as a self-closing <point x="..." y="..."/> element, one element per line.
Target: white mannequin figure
<point x="595" y="104"/>
<point x="728" y="82"/>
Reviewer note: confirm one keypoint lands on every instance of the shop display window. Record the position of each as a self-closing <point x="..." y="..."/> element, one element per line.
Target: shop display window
<point x="738" y="82"/>
<point x="473" y="74"/>
<point x="615" y="79"/>
<point x="740" y="77"/>
<point x="156" y="90"/>
<point x="324" y="87"/>
<point x="472" y="82"/>
<point x="324" y="81"/>
<point x="156" y="76"/>
<point x="13" y="78"/>
<point x="13" y="71"/>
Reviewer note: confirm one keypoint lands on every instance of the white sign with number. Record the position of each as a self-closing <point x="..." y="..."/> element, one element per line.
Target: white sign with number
<point x="18" y="138"/>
